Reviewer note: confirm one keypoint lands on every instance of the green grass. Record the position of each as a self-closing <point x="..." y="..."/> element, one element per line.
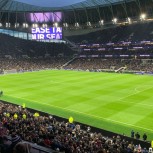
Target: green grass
<point x="114" y="102"/>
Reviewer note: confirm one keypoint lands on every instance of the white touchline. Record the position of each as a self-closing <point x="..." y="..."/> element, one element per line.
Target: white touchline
<point x="85" y="114"/>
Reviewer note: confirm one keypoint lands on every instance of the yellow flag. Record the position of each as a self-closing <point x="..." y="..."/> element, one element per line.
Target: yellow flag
<point x="24" y="116"/>
<point x="8" y="114"/>
<point x="71" y="119"/>
<point x="23" y="105"/>
<point x="36" y="114"/>
<point x="152" y="143"/>
<point x="15" y="116"/>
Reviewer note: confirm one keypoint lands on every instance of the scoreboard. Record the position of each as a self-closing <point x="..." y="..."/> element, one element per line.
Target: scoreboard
<point x="47" y="33"/>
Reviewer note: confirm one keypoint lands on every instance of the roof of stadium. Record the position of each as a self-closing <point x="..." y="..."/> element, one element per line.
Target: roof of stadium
<point x="53" y="5"/>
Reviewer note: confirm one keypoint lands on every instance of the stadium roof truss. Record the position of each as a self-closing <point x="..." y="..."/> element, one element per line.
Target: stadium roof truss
<point x="16" y="6"/>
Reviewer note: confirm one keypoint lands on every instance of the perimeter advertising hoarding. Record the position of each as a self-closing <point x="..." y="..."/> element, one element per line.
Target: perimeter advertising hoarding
<point x="46" y="33"/>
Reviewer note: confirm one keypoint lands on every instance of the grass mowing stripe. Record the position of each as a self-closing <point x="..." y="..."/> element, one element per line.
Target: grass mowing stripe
<point x="135" y="103"/>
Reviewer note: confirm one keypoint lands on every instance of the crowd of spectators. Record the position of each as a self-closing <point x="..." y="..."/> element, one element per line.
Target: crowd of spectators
<point x="111" y="64"/>
<point x="22" y="65"/>
<point x="121" y="48"/>
<point x="18" y="123"/>
<point x="134" y="32"/>
<point x="91" y="64"/>
<point x="17" y="47"/>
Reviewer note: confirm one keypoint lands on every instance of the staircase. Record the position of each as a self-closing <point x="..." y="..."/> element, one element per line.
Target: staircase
<point x="72" y="45"/>
<point x="67" y="63"/>
<point x="120" y="69"/>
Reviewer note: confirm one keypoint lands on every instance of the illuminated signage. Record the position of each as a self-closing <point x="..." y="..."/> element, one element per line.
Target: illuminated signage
<point x="46" y="33"/>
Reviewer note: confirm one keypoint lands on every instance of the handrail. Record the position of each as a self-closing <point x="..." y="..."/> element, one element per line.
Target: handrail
<point x="39" y="148"/>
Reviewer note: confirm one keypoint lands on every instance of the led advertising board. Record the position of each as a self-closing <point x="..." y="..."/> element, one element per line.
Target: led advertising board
<point x="46" y="33"/>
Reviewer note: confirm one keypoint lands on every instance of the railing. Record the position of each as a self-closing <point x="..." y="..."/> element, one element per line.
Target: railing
<point x="40" y="149"/>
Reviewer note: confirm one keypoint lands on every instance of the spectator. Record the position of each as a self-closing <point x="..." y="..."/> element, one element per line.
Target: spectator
<point x="144" y="137"/>
<point x="15" y="140"/>
<point x="132" y="134"/>
<point x="137" y="135"/>
<point x="6" y="146"/>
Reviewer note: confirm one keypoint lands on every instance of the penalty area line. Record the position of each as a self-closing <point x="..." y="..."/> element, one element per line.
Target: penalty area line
<point x="86" y="114"/>
<point x="136" y="92"/>
<point x="141" y="104"/>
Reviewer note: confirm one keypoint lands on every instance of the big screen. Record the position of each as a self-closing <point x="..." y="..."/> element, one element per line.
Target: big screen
<point x="47" y="33"/>
<point x="45" y="17"/>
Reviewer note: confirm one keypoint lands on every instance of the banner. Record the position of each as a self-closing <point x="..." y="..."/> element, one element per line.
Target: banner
<point x="46" y="33"/>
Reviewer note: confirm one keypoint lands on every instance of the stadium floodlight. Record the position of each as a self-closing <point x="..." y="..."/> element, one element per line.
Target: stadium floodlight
<point x="65" y="25"/>
<point x="8" y="25"/>
<point x="25" y="25"/>
<point x="55" y="24"/>
<point x="44" y="25"/>
<point x="16" y="25"/>
<point x="34" y="25"/>
<point x="89" y="24"/>
<point x="1" y="24"/>
<point x="114" y="20"/>
<point x="142" y="16"/>
<point x="101" y="22"/>
<point x="129" y="20"/>
<point x="76" y="24"/>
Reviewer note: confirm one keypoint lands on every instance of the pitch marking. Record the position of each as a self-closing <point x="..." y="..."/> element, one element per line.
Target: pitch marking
<point x="135" y="93"/>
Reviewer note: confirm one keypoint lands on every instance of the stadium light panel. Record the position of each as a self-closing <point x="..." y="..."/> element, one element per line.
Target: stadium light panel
<point x="55" y="24"/>
<point x="44" y="25"/>
<point x="76" y="24"/>
<point x="114" y="20"/>
<point x="142" y="16"/>
<point x="129" y="20"/>
<point x="16" y="25"/>
<point x="35" y="25"/>
<point x="25" y="25"/>
<point x="89" y="24"/>
<point x="101" y="22"/>
<point x="65" y="25"/>
<point x="8" y="25"/>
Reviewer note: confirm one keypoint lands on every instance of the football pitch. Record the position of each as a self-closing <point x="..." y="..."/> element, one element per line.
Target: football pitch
<point x="110" y="101"/>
